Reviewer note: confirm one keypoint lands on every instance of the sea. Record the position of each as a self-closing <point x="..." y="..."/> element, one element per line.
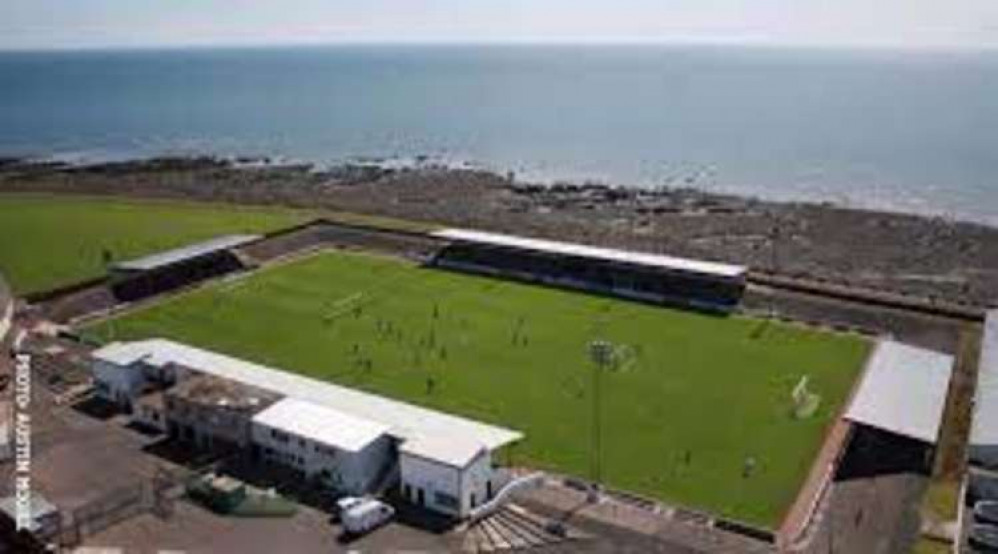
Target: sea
<point x="907" y="130"/>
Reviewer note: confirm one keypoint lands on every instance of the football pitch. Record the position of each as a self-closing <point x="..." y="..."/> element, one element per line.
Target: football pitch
<point x="697" y="408"/>
<point x="53" y="241"/>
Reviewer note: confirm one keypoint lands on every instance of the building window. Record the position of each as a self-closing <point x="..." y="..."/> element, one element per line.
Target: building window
<point x="445" y="500"/>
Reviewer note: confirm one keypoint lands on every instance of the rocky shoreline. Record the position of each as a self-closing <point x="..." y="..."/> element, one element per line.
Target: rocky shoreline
<point x="929" y="257"/>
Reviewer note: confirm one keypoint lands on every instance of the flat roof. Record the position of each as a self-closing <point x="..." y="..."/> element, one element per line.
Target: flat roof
<point x="594" y="252"/>
<point x="191" y="251"/>
<point x="321" y="424"/>
<point x="984" y="429"/>
<point x="903" y="391"/>
<point x="119" y="353"/>
<point x="405" y="421"/>
<point x="39" y="507"/>
<point x="452" y="451"/>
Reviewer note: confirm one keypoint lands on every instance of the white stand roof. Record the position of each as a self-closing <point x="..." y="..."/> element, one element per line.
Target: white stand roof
<point x="584" y="251"/>
<point x="984" y="431"/>
<point x="191" y="251"/>
<point x="903" y="391"/>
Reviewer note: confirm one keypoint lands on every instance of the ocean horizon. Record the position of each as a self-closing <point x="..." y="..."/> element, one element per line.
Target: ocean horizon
<point x="909" y="131"/>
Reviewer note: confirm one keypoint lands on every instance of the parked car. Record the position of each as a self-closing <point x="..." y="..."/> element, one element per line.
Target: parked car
<point x="984" y="537"/>
<point x="986" y="511"/>
<point x="365" y="516"/>
<point x="345" y="503"/>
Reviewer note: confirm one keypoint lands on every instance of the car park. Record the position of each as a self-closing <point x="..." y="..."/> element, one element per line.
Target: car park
<point x="984" y="538"/>
<point x="986" y="511"/>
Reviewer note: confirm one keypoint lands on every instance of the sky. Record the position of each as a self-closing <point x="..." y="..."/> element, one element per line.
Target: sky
<point x="60" y="24"/>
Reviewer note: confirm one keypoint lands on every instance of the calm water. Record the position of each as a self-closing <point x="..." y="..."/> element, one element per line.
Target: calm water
<point x="914" y="131"/>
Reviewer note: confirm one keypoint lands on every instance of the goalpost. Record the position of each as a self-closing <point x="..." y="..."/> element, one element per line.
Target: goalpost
<point x="805" y="402"/>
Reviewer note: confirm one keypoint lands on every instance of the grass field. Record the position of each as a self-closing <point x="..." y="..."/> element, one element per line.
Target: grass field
<point x="50" y="241"/>
<point x="692" y="397"/>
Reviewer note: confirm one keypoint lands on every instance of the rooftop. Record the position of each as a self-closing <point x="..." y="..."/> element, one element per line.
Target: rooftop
<point x="189" y="252"/>
<point x="453" y="451"/>
<point x="206" y="389"/>
<point x="903" y="391"/>
<point x="40" y="508"/>
<point x="321" y="424"/>
<point x="985" y="427"/>
<point x="594" y="252"/>
<point x="404" y="420"/>
<point x="120" y="353"/>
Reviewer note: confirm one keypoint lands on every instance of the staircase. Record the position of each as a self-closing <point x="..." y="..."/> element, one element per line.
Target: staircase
<point x="388" y="477"/>
<point x="532" y="481"/>
<point x="512" y="527"/>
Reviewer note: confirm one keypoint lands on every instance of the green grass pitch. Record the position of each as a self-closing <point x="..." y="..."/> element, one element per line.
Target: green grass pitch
<point x="693" y="397"/>
<point x="52" y="241"/>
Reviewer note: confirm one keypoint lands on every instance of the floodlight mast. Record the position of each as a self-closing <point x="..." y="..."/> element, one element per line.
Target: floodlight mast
<point x="601" y="353"/>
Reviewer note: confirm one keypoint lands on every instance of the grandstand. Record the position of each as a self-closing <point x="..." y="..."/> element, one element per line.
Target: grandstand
<point x="139" y="278"/>
<point x="641" y="276"/>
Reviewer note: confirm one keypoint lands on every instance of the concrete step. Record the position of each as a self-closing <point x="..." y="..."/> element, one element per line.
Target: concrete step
<point x="528" y="536"/>
<point x="529" y="521"/>
<point x="482" y="541"/>
<point x="508" y="530"/>
<point x="495" y="537"/>
<point x="470" y="542"/>
<point x="540" y="523"/>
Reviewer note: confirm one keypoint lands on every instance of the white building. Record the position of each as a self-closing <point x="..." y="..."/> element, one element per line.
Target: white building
<point x="983" y="450"/>
<point x="322" y="429"/>
<point x="119" y="364"/>
<point x="903" y="391"/>
<point x="345" y="451"/>
<point x="119" y="377"/>
<point x="446" y="475"/>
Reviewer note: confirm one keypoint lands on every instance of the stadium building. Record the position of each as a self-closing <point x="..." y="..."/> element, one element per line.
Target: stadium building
<point x="641" y="276"/>
<point x="165" y="271"/>
<point x="353" y="441"/>
<point x="903" y="392"/>
<point x="982" y="451"/>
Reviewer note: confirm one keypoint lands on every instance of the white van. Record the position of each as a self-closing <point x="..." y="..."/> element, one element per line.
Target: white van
<point x="366" y="515"/>
<point x="344" y="504"/>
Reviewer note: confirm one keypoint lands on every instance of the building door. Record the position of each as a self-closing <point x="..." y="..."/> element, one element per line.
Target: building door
<point x="407" y="491"/>
<point x="488" y="489"/>
<point x="421" y="498"/>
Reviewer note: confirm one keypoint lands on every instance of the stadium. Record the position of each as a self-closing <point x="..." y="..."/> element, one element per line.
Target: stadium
<point x="690" y="403"/>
